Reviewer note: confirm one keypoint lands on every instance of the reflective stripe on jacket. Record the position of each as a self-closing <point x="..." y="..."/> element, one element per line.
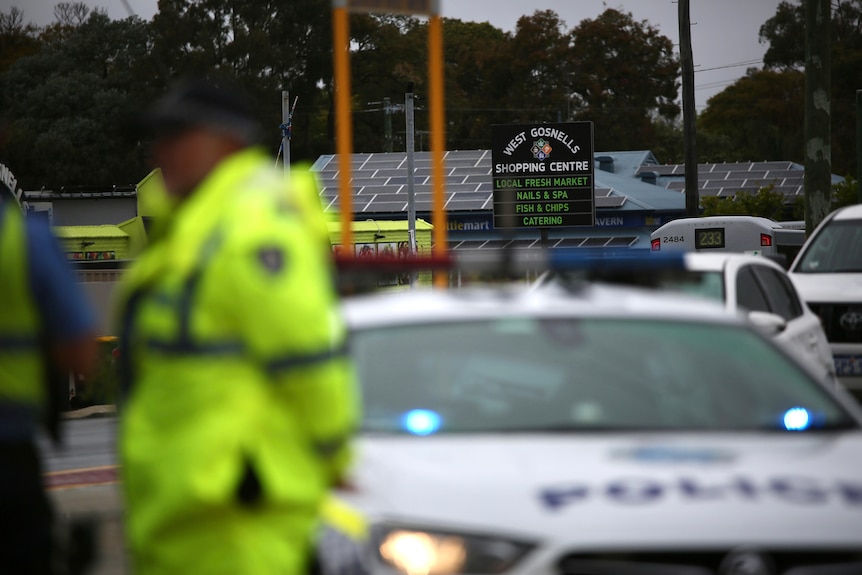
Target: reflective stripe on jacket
<point x="240" y="397"/>
<point x="22" y="389"/>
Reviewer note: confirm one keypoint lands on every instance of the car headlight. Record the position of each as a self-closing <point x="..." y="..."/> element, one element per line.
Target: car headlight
<point x="426" y="552"/>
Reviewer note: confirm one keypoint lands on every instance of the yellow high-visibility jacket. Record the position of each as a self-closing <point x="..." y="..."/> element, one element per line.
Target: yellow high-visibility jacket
<point x="22" y="390"/>
<point x="239" y="396"/>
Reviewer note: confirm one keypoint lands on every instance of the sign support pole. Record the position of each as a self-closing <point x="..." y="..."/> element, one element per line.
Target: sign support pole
<point x="438" y="140"/>
<point x="343" y="123"/>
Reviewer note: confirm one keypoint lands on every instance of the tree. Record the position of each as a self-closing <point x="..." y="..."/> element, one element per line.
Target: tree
<point x="17" y="40"/>
<point x="624" y="73"/>
<point x="762" y="114"/>
<point x="784" y="33"/>
<point x="538" y="72"/>
<point x="70" y="105"/>
<point x="477" y="82"/>
<point x="71" y="14"/>
<point x="766" y="203"/>
<point x="265" y="45"/>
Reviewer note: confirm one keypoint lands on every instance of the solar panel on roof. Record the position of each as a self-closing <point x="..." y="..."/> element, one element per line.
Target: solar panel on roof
<point x="465" y="154"/>
<point x="383" y="165"/>
<point x="385" y="206"/>
<point x="474" y="171"/>
<point x="471" y="244"/>
<point x="461" y="188"/>
<point x="459" y="163"/>
<point x="777" y="174"/>
<point x="731" y="167"/>
<point x="660" y="170"/>
<point x="521" y="243"/>
<point x="570" y="243"/>
<point x="622" y="241"/>
<point x="465" y="204"/>
<point x="495" y="244"/>
<point x="359" y="182"/>
<point x="734" y="183"/>
<point x="774" y="165"/>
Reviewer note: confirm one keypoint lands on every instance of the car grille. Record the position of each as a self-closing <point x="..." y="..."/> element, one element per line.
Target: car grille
<point x="841" y="322"/>
<point x="740" y="561"/>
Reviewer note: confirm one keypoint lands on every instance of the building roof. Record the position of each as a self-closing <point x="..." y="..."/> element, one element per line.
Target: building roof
<point x="624" y="181"/>
<point x="380" y="182"/>
<point x="727" y="179"/>
<point x="78" y="194"/>
<point x="72" y="232"/>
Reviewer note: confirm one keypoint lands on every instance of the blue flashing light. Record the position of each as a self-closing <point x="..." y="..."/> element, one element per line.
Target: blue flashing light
<point x="796" y="419"/>
<point x="421" y="421"/>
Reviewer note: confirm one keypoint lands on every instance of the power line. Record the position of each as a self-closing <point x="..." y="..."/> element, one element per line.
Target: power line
<point x="735" y="65"/>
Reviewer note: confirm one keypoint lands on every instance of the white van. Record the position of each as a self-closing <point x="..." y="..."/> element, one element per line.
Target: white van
<point x="744" y="234"/>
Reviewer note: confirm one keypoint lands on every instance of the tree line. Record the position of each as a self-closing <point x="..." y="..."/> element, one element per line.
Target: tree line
<point x="70" y="91"/>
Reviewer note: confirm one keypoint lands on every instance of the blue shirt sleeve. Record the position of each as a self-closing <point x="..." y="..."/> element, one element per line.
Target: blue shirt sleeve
<point x="66" y="313"/>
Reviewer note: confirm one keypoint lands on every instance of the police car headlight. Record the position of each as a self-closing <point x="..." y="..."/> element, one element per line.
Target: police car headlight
<point x="423" y="552"/>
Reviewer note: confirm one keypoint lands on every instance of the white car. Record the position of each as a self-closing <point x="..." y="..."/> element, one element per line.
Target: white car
<point x="759" y="288"/>
<point x="828" y="275"/>
<point x="619" y="431"/>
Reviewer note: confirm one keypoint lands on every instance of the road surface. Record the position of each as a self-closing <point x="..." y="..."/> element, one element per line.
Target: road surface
<point x="82" y="480"/>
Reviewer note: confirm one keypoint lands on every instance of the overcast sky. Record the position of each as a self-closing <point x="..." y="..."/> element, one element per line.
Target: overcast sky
<point x="724" y="34"/>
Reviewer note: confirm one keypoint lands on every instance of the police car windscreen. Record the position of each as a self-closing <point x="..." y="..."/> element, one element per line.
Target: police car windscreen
<point x="528" y="374"/>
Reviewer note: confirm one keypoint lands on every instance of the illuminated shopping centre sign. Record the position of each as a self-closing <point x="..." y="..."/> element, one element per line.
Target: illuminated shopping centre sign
<point x="9" y="184"/>
<point x="543" y="175"/>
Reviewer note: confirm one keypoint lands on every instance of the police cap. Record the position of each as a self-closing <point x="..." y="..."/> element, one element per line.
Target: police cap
<point x="202" y="103"/>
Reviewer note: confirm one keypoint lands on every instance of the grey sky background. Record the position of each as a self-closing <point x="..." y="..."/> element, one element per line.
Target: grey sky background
<point x="724" y="33"/>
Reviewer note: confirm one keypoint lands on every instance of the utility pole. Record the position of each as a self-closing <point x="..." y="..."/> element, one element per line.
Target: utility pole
<point x="818" y="134"/>
<point x="692" y="196"/>
<point x="410" y="145"/>
<point x="387" y="126"/>
<point x="858" y="146"/>
<point x="411" y="152"/>
<point x="388" y="109"/>
<point x="285" y="131"/>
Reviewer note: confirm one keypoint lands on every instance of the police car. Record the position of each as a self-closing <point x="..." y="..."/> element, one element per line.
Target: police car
<point x="620" y="431"/>
<point x="759" y="288"/>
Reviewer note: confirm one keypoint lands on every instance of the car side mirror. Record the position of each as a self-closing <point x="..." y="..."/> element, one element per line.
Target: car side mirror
<point x="769" y="323"/>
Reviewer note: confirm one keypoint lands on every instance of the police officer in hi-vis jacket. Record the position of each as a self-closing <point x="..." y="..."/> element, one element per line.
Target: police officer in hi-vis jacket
<point x="239" y="397"/>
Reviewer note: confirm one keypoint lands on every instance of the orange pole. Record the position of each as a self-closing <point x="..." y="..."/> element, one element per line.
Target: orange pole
<point x="343" y="123"/>
<point x="438" y="140"/>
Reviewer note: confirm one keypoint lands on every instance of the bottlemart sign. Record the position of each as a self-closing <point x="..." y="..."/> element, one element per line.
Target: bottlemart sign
<point x="543" y="175"/>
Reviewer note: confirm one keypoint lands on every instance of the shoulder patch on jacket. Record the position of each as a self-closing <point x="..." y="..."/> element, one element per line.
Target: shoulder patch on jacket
<point x="271" y="258"/>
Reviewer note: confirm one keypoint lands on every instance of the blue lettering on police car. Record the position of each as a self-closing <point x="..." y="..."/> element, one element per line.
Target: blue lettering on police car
<point x="799" y="490"/>
<point x="852" y="494"/>
<point x="554" y="498"/>
<point x="641" y="491"/>
<point x="634" y="491"/>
